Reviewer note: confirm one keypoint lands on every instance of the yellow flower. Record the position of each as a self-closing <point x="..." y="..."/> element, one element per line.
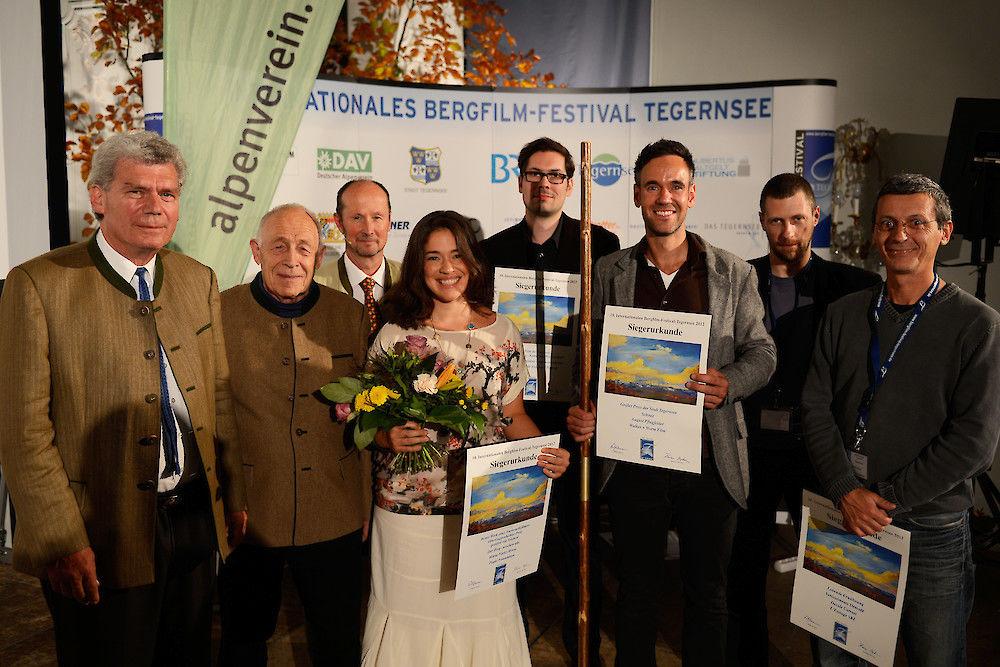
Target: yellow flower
<point x="461" y="402"/>
<point x="362" y="403"/>
<point x="454" y="383"/>
<point x="377" y="395"/>
<point x="485" y="404"/>
<point x="447" y="374"/>
<point x="468" y="392"/>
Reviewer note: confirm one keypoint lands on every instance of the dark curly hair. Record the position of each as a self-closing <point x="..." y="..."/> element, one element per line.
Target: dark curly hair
<point x="409" y="301"/>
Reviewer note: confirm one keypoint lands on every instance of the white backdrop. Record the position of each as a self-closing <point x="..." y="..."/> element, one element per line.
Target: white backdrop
<point x="437" y="147"/>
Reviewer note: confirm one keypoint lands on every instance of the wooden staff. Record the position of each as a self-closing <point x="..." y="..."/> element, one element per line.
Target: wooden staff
<point x="583" y="613"/>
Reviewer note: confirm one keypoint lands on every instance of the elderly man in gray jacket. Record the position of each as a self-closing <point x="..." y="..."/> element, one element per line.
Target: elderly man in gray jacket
<point x="672" y="269"/>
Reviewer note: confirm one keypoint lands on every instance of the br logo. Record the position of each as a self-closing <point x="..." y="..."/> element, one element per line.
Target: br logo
<point x="425" y="164"/>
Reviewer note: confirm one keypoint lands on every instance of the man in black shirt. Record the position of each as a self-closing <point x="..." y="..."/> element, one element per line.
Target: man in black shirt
<point x="547" y="239"/>
<point x="796" y="286"/>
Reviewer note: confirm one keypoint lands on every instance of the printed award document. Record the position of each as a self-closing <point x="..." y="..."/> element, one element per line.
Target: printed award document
<point x="849" y="590"/>
<point x="545" y="307"/>
<point x="646" y="414"/>
<point x="503" y="520"/>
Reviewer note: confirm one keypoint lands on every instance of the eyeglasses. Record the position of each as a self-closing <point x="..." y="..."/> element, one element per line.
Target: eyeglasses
<point x="887" y="225"/>
<point x="554" y="177"/>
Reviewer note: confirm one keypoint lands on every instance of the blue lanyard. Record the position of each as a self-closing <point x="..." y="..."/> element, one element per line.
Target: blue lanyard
<point x="879" y="371"/>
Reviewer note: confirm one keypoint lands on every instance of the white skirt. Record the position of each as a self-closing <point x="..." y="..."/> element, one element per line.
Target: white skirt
<point x="414" y="619"/>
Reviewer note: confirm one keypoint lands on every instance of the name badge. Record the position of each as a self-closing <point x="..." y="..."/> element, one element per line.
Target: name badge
<point x="859" y="462"/>
<point x="776" y="419"/>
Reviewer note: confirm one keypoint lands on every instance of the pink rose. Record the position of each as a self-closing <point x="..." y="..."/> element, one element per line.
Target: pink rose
<point x="416" y="344"/>
<point x="342" y="411"/>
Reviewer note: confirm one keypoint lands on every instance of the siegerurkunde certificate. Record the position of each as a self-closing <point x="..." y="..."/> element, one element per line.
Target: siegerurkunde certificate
<point x="545" y="308"/>
<point x="849" y="589"/>
<point x="645" y="413"/>
<point x="503" y="523"/>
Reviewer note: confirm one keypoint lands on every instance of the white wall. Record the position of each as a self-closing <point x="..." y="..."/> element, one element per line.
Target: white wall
<point x="24" y="216"/>
<point x="898" y="63"/>
<point x="4" y="246"/>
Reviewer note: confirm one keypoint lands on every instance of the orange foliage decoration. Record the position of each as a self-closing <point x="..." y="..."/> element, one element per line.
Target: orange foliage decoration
<point x="125" y="23"/>
<point x="120" y="26"/>
<point x="373" y="49"/>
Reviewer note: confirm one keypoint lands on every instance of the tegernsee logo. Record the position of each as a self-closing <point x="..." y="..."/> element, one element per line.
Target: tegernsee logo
<point x="425" y="164"/>
<point x="333" y="159"/>
<point x="606" y="169"/>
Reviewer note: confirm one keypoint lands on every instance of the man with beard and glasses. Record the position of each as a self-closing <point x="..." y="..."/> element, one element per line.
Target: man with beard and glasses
<point x="796" y="286"/>
<point x="676" y="270"/>
<point x="547" y="239"/>
<point x="363" y="271"/>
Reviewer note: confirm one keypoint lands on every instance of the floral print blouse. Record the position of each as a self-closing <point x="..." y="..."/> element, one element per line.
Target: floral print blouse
<point x="489" y="359"/>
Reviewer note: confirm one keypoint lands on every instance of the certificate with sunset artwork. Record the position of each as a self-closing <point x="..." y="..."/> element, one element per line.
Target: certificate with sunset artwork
<point x="645" y="413"/>
<point x="545" y="308"/>
<point x="848" y="589"/>
<point x="503" y="520"/>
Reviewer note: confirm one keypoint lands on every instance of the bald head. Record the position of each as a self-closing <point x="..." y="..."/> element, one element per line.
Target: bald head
<point x="288" y="250"/>
<point x="363" y="217"/>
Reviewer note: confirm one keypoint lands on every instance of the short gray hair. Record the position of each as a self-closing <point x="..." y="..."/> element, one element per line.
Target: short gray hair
<point x="916" y="184"/>
<point x="139" y="145"/>
<point x="290" y="207"/>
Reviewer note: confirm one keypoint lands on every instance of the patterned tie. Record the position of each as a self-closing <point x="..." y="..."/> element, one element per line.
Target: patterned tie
<point x="173" y="466"/>
<point x="371" y="305"/>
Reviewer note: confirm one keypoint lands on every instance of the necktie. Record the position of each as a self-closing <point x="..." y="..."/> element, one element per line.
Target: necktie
<point x="371" y="306"/>
<point x="173" y="466"/>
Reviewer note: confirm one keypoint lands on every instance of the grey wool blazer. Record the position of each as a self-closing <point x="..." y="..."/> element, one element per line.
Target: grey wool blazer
<point x="739" y="347"/>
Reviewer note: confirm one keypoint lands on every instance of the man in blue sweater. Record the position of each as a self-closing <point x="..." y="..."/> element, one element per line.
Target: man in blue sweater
<point x="897" y="436"/>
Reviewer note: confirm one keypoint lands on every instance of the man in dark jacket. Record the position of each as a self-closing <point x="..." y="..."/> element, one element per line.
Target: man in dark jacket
<point x="546" y="239"/>
<point x="796" y="285"/>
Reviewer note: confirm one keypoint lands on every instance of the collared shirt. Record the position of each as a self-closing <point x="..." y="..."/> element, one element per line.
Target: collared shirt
<point x="356" y="275"/>
<point x="687" y="289"/>
<point x="126" y="269"/>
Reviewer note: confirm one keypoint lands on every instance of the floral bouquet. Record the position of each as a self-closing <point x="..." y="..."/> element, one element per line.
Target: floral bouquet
<point x="407" y="384"/>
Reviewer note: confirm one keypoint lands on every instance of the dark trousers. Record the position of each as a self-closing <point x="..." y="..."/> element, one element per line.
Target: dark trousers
<point x="328" y="577"/>
<point x="168" y="622"/>
<point x="550" y="417"/>
<point x="643" y="500"/>
<point x="775" y="475"/>
<point x="566" y="496"/>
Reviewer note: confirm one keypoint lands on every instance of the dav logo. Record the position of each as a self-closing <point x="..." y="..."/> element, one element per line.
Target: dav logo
<point x="425" y="164"/>
<point x="331" y="159"/>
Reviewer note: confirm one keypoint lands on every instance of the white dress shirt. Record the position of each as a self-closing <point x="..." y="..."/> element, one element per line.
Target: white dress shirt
<point x="356" y="275"/>
<point x="126" y="269"/>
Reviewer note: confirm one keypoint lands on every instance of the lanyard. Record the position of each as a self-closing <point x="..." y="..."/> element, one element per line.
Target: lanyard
<point x="879" y="371"/>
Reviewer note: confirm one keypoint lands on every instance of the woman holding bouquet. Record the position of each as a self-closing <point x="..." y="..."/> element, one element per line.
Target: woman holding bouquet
<point x="441" y="304"/>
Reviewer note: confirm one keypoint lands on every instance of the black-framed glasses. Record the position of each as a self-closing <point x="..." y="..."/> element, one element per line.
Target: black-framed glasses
<point x="535" y="176"/>
<point x="887" y="225"/>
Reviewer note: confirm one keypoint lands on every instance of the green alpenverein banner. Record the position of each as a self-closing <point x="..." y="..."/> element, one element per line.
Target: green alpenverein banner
<point x="237" y="75"/>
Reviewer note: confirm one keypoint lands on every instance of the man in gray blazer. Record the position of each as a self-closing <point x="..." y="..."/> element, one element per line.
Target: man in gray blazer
<point x="673" y="269"/>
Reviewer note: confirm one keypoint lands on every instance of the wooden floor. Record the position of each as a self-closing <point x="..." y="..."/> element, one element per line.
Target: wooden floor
<point x="26" y="638"/>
